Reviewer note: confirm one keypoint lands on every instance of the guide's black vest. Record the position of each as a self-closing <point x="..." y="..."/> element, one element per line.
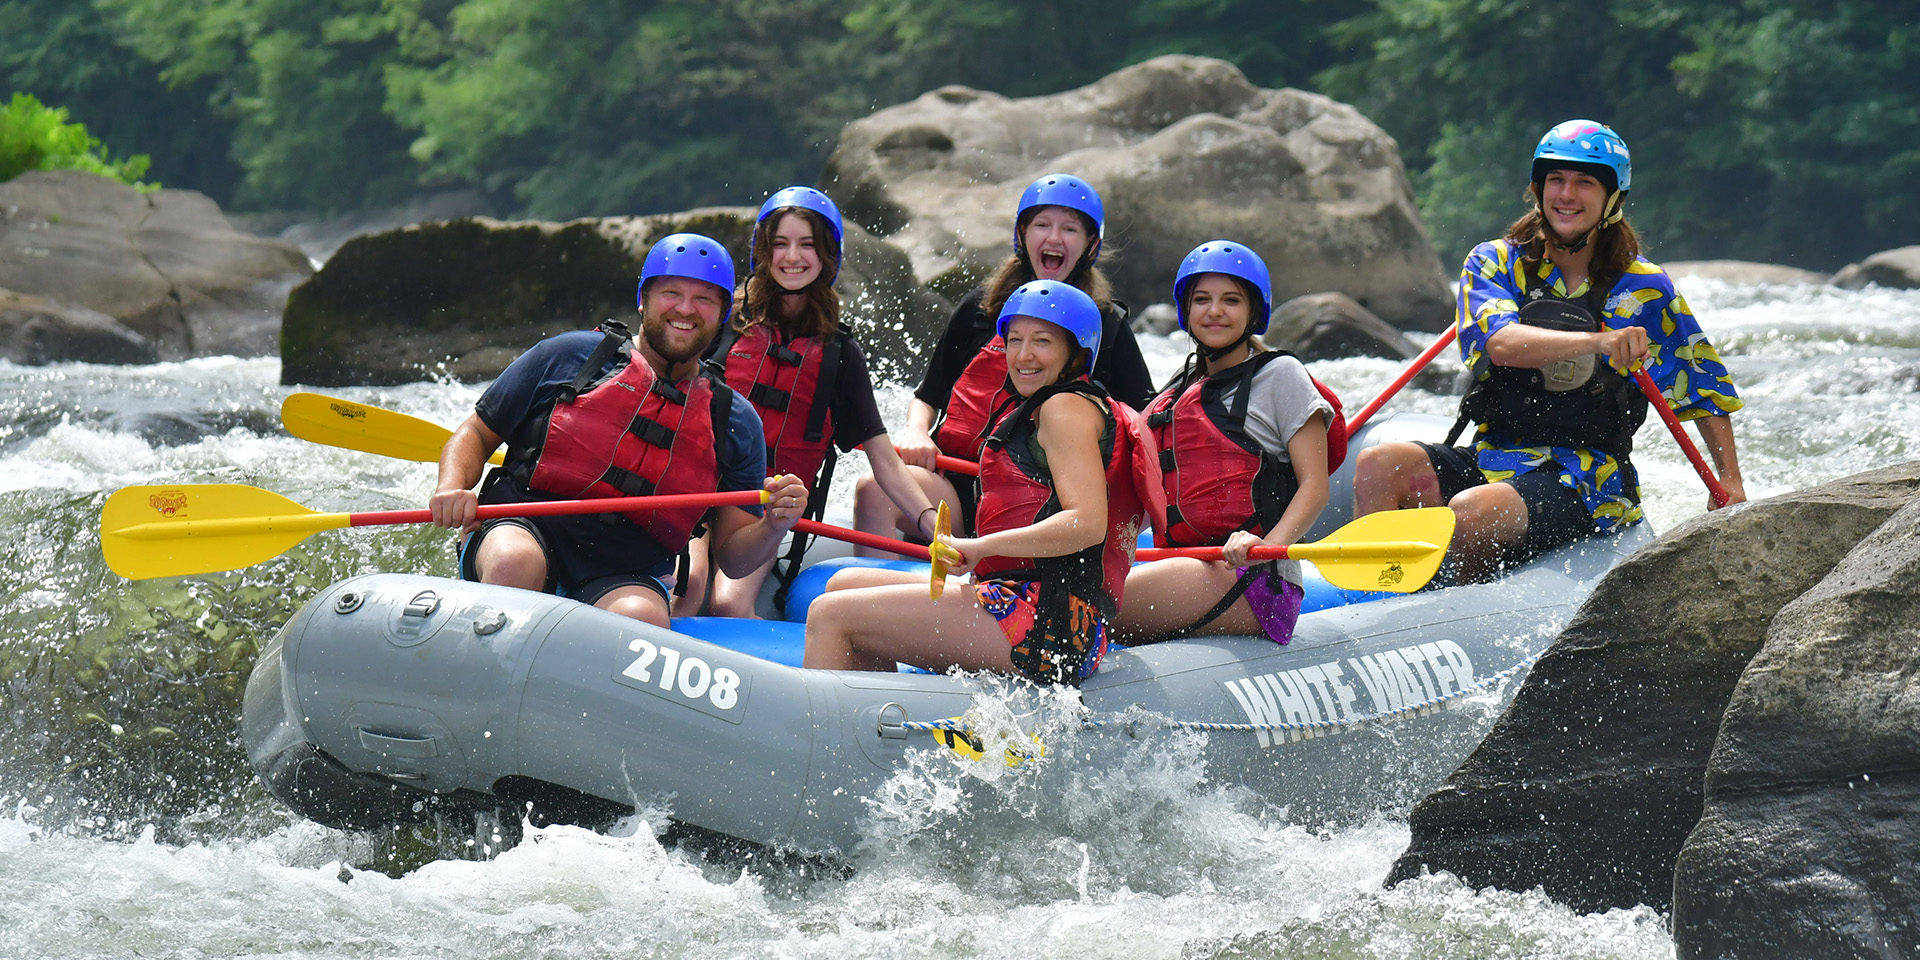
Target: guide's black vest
<point x="1574" y="403"/>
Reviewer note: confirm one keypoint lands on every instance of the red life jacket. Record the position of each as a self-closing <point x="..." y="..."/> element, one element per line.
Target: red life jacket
<point x="1218" y="477"/>
<point x="791" y="385"/>
<point x="980" y="397"/>
<point x="635" y="435"/>
<point x="1017" y="491"/>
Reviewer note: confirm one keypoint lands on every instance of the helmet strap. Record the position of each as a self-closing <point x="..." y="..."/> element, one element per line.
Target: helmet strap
<point x="1215" y="356"/>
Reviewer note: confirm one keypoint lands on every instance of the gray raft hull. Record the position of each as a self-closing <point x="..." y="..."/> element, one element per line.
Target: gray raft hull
<point x="389" y="696"/>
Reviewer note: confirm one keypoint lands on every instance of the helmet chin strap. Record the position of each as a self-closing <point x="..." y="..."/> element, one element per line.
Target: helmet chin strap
<point x="1214" y="356"/>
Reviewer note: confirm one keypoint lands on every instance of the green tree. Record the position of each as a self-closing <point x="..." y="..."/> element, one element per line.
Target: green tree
<point x="603" y="106"/>
<point x="34" y="136"/>
<point x="1767" y="129"/>
<point x="303" y="83"/>
<point x="70" y="53"/>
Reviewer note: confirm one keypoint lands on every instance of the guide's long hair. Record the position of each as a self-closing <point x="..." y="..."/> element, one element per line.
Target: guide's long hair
<point x="820" y="315"/>
<point x="1614" y="249"/>
<point x="1017" y="269"/>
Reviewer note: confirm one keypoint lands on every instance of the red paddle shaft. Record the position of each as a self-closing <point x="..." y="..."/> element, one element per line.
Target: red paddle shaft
<point x="556" y="508"/>
<point x="957" y="465"/>
<point x="916" y="551"/>
<point x="1406" y="376"/>
<point x="1659" y="402"/>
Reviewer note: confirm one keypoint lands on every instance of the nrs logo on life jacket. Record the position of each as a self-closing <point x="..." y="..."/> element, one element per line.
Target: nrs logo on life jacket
<point x="634" y="435"/>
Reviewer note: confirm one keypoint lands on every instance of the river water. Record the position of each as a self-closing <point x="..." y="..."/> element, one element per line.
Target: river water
<point x="130" y="827"/>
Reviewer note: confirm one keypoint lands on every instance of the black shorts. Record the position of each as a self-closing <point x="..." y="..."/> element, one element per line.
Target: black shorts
<point x="568" y="574"/>
<point x="1556" y="516"/>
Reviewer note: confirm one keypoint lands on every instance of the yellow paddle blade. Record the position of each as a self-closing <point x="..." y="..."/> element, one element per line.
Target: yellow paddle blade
<point x="941" y="553"/>
<point x="355" y="426"/>
<point x="174" y="531"/>
<point x="1394" y="550"/>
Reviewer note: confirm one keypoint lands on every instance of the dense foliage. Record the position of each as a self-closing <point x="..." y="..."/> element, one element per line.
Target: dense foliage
<point x="34" y="136"/>
<point x="1764" y="129"/>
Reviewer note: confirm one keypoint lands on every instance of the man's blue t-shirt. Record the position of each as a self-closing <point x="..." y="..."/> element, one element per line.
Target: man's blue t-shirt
<point x="531" y="383"/>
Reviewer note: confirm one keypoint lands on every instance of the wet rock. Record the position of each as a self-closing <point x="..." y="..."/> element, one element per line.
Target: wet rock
<point x="1805" y="848"/>
<point x="1328" y="326"/>
<point x="463" y="298"/>
<point x="1744" y="272"/>
<point x="1590" y="782"/>
<point x="1157" y="318"/>
<point x="166" y="265"/>
<point x="1183" y="150"/>
<point x="1899" y="267"/>
<point x="35" y="330"/>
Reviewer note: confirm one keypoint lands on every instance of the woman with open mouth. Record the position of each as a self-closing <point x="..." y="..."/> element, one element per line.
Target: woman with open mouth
<point x="1057" y="236"/>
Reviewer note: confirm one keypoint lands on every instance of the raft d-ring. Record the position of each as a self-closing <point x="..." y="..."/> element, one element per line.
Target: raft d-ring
<point x="892" y="731"/>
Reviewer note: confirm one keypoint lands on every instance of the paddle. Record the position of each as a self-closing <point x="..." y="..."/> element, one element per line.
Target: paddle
<point x="356" y="426"/>
<point x="1406" y="376"/>
<point x="1658" y="400"/>
<point x="1359" y="556"/>
<point x="942" y="551"/>
<point x="172" y="531"/>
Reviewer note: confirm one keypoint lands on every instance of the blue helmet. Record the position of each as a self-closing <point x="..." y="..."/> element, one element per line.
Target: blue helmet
<point x="1061" y="304"/>
<point x="692" y="256"/>
<point x="1585" y="145"/>
<point x="1062" y="190"/>
<point x="805" y="198"/>
<point x="1234" y="260"/>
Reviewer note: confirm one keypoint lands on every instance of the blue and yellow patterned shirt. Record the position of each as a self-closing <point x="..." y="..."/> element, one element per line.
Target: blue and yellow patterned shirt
<point x="1682" y="362"/>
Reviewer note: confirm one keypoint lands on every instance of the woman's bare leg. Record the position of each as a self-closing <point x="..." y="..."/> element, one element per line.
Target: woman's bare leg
<point x="875" y="628"/>
<point x="1169" y="595"/>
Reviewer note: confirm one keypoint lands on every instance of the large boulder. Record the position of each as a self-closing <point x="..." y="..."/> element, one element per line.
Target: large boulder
<point x="167" y="265"/>
<point x="35" y="330"/>
<point x="1329" y="326"/>
<point x="1183" y="150"/>
<point x="1590" y="782"/>
<point x="463" y="298"/>
<point x="1806" y="846"/>
<point x="1899" y="267"/>
<point x="1744" y="272"/>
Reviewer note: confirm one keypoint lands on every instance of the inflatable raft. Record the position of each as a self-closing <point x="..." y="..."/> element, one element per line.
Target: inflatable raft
<point x="391" y="699"/>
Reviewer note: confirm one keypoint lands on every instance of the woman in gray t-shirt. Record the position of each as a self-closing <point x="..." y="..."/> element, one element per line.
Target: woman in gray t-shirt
<point x="1243" y="435"/>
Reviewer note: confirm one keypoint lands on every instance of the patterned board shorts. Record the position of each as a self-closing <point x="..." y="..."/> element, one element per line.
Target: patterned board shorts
<point x="1063" y="646"/>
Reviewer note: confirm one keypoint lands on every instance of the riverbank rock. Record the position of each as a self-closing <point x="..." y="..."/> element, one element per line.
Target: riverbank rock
<point x="166" y="265"/>
<point x="1590" y="782"/>
<point x="1899" y="267"/>
<point x="1744" y="272"/>
<point x="35" y="330"/>
<point x="463" y="298"/>
<point x="1183" y="150"/>
<point x="1328" y="326"/>
<point x="1805" y="847"/>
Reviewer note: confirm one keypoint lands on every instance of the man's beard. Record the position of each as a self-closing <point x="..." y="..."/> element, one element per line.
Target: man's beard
<point x="654" y="330"/>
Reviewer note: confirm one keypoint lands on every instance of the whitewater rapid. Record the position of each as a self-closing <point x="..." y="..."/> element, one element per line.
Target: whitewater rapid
<point x="146" y="842"/>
